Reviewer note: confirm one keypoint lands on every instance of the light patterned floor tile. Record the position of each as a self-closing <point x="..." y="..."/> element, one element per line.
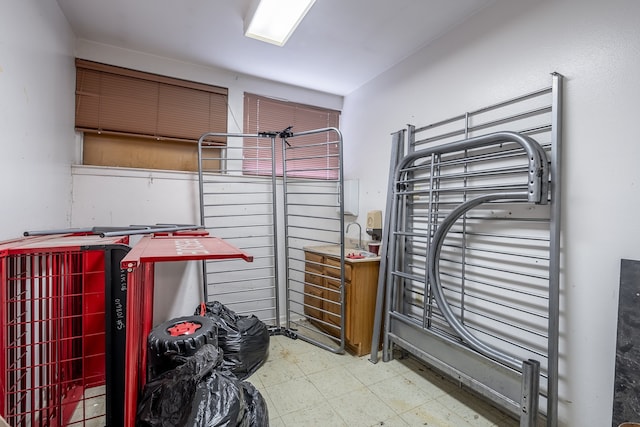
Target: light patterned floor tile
<point x="361" y="408"/>
<point x="277" y="371"/>
<point x="91" y="409"/>
<point x="255" y="381"/>
<point x="409" y="363"/>
<point x="395" y="421"/>
<point x="95" y="391"/>
<point x="434" y="414"/>
<point x="318" y="360"/>
<point x="307" y="386"/>
<point x="276" y="422"/>
<point x="335" y="382"/>
<point x="369" y="373"/>
<point x="321" y="415"/>
<point x="294" y="346"/>
<point x="400" y="393"/>
<point x="430" y="382"/>
<point x="475" y="411"/>
<point x="275" y="347"/>
<point x="294" y="395"/>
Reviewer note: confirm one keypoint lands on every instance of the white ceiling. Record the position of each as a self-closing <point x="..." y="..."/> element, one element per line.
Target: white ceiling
<point x="339" y="46"/>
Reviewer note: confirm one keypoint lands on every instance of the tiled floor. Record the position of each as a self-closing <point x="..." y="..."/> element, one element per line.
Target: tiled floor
<point x="304" y="385"/>
<point x="90" y="410"/>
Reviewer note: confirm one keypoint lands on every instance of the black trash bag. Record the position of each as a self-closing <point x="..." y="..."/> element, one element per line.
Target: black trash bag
<point x="200" y="394"/>
<point x="257" y="407"/>
<point x="244" y="340"/>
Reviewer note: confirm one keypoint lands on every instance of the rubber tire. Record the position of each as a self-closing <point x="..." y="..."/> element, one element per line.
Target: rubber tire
<point x="161" y="342"/>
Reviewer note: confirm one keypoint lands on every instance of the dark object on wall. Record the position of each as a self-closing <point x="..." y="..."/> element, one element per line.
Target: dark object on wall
<point x="201" y="393"/>
<point x="626" y="396"/>
<point x="244" y="340"/>
<point x="182" y="336"/>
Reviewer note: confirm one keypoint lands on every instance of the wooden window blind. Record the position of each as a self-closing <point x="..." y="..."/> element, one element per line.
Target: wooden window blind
<point x="311" y="156"/>
<point x="130" y="114"/>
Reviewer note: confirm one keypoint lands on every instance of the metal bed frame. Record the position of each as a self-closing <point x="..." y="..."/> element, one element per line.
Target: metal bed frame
<point x="249" y="208"/>
<point x="469" y="277"/>
<point x="241" y="209"/>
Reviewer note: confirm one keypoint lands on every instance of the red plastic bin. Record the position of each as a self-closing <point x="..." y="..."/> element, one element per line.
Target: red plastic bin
<point x="56" y="330"/>
<point x="139" y="264"/>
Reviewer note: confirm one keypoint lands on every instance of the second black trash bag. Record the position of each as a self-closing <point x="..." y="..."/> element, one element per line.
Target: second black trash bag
<point x="244" y="340"/>
<point x="199" y="394"/>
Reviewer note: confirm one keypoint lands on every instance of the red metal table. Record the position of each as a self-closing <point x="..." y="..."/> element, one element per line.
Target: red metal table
<point x="139" y="264"/>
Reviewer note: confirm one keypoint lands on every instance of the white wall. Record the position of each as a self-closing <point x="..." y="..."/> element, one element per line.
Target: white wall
<point x="507" y="50"/>
<point x="36" y="116"/>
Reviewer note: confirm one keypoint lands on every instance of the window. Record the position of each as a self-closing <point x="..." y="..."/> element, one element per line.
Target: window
<point x="312" y="156"/>
<point x="135" y="119"/>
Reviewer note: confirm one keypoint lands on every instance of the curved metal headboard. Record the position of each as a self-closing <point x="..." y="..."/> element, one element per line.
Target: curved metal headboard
<point x="538" y="184"/>
<point x="536" y="192"/>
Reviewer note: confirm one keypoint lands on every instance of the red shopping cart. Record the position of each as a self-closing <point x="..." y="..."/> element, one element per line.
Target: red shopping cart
<point x="62" y="320"/>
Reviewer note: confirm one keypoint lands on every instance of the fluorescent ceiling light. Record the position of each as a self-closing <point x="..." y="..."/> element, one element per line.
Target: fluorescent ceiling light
<point x="273" y="21"/>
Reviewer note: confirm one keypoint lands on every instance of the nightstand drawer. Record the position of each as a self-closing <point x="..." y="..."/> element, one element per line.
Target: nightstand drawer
<point x="333" y="269"/>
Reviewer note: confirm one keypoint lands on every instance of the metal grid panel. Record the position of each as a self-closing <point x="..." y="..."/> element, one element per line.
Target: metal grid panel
<point x="248" y="208"/>
<point x="498" y="264"/>
<point x="241" y="209"/>
<point x="53" y="335"/>
<point x="314" y="212"/>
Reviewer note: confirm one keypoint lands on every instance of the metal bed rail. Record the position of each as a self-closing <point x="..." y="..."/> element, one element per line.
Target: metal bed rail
<point x="246" y="198"/>
<point x="238" y="203"/>
<point x="314" y="217"/>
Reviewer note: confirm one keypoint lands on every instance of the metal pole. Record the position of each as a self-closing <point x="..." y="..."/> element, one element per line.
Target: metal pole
<point x="343" y="292"/>
<point x="397" y="139"/>
<point x="150" y="230"/>
<point x="274" y="202"/>
<point x="554" y="247"/>
<point x="205" y="285"/>
<point x="391" y="254"/>
<point x="530" y="391"/>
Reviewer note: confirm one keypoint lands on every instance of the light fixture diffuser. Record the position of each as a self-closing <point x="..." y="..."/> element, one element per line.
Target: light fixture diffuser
<point x="273" y="21"/>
